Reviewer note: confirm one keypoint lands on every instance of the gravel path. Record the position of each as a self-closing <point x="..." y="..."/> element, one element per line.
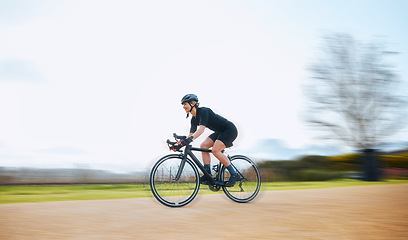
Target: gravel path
<point x="369" y="212"/>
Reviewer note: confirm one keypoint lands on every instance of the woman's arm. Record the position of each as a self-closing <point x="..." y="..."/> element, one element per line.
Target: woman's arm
<point x="197" y="133"/>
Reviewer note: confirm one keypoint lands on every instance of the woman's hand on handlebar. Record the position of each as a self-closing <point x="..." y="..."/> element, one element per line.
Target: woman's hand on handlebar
<point x="174" y="146"/>
<point x="186" y="141"/>
<point x="181" y="142"/>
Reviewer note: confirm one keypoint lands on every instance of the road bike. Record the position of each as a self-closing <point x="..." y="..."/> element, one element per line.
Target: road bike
<point x="175" y="179"/>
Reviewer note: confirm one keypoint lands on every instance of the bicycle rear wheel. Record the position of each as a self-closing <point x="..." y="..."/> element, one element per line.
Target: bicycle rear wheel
<point x="167" y="190"/>
<point x="249" y="184"/>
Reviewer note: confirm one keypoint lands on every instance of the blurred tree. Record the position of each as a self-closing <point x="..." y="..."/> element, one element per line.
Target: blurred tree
<point x="355" y="95"/>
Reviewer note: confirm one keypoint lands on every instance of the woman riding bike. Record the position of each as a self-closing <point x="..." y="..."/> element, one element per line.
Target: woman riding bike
<point x="224" y="134"/>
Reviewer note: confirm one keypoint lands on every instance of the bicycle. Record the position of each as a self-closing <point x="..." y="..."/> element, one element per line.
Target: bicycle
<point x="175" y="180"/>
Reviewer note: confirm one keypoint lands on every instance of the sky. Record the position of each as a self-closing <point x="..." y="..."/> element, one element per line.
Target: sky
<point x="98" y="84"/>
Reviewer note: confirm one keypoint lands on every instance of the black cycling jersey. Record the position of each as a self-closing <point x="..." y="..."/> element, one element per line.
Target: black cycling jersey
<point x="205" y="116"/>
<point x="224" y="130"/>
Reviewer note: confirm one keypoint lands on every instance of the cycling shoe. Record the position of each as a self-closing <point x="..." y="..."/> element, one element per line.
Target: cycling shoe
<point x="204" y="180"/>
<point x="232" y="180"/>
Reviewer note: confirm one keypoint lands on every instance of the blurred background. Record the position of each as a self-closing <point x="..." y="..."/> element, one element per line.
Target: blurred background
<point x="90" y="90"/>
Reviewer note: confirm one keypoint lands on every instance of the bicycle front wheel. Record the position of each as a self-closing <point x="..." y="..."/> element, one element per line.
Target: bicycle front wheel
<point x="249" y="184"/>
<point x="166" y="188"/>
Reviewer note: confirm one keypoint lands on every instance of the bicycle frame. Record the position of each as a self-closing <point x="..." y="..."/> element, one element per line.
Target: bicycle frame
<point x="189" y="152"/>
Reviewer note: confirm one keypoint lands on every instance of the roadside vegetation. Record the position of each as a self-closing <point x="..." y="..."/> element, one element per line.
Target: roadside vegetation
<point x="323" y="168"/>
<point x="47" y="193"/>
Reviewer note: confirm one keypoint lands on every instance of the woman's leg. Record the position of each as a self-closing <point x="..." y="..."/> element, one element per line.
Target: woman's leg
<point x="206" y="145"/>
<point x="217" y="152"/>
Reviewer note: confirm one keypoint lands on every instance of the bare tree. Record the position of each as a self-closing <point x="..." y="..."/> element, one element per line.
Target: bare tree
<point x="355" y="95"/>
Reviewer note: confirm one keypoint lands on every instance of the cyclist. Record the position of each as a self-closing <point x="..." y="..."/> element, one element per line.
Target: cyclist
<point x="224" y="134"/>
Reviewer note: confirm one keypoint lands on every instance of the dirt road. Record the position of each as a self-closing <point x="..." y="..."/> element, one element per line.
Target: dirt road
<point x="372" y="212"/>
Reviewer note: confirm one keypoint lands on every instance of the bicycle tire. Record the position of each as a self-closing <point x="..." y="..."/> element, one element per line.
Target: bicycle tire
<point x="168" y="191"/>
<point x="247" y="188"/>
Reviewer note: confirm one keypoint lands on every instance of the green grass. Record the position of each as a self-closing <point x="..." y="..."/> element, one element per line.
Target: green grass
<point x="273" y="186"/>
<point x="46" y="193"/>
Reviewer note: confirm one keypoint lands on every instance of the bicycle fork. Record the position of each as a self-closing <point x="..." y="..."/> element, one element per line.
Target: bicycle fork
<point x="180" y="169"/>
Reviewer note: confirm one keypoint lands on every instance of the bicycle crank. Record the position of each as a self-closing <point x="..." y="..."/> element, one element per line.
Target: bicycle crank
<point x="214" y="188"/>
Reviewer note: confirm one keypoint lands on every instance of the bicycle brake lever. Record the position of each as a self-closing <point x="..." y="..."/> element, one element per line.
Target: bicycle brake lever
<point x="177" y="148"/>
<point x="172" y="146"/>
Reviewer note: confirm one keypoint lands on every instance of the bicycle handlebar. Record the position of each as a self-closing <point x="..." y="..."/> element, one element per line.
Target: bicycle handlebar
<point x="178" y="137"/>
<point x="174" y="145"/>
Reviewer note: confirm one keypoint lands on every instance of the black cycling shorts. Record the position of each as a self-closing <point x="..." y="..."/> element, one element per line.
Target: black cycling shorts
<point x="226" y="136"/>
